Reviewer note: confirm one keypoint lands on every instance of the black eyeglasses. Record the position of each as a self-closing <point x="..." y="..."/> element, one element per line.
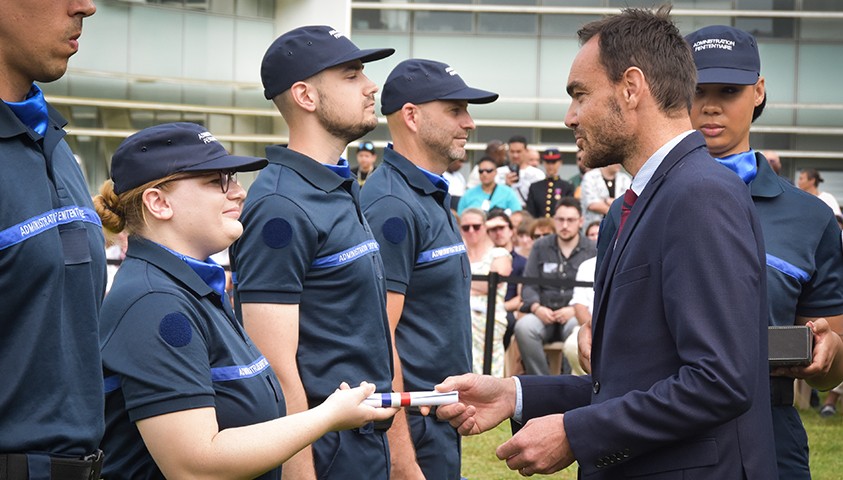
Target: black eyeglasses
<point x="225" y="179"/>
<point x="467" y="227"/>
<point x="485" y="170"/>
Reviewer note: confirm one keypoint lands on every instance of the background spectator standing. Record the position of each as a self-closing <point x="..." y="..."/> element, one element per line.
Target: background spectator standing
<point x="367" y="157"/>
<point x="809" y="181"/>
<point x="556" y="256"/>
<point x="456" y="182"/>
<point x="600" y="187"/>
<point x="519" y="174"/>
<point x="545" y="194"/>
<point x="497" y="151"/>
<point x="485" y="257"/>
<point x="488" y="194"/>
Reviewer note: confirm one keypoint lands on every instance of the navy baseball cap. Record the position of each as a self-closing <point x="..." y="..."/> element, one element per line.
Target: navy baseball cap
<point x="159" y="151"/>
<point x="725" y="55"/>
<point x="420" y="81"/>
<point x="305" y="51"/>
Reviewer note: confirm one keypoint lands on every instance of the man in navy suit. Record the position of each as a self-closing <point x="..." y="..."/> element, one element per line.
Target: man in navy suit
<point x="679" y="383"/>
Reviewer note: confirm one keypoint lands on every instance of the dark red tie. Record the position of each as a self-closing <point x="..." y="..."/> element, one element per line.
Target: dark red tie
<point x="629" y="199"/>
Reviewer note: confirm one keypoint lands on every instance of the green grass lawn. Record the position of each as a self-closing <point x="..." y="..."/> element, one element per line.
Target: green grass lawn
<point x="825" y="437"/>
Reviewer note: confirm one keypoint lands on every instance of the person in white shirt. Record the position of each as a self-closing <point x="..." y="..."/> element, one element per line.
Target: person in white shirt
<point x="519" y="174"/>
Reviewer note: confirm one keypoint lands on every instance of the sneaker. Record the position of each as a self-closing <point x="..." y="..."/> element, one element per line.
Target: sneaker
<point x="828" y="411"/>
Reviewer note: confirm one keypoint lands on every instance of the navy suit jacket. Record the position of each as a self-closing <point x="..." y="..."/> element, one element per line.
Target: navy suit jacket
<point x="680" y="383"/>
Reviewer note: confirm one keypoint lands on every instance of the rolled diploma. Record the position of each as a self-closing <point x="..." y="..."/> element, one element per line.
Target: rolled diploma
<point x="411" y="399"/>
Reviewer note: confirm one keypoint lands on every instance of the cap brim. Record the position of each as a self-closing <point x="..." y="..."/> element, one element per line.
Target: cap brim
<point x="471" y="95"/>
<point x="731" y="76"/>
<point x="365" y="56"/>
<point x="231" y="163"/>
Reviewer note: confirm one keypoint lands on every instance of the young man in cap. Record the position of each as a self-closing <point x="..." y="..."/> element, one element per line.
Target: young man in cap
<point x="801" y="236"/>
<point x="308" y="276"/>
<point x="427" y="269"/>
<point x="545" y="194"/>
<point x="52" y="258"/>
<point x="366" y="158"/>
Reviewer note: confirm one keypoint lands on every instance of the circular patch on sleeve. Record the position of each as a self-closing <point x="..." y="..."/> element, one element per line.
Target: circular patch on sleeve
<point x="175" y="329"/>
<point x="277" y="233"/>
<point x="395" y="230"/>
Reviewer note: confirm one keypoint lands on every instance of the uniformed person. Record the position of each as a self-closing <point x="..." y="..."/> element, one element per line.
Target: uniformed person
<point x="427" y="270"/>
<point x="52" y="258"/>
<point x="308" y="276"/>
<point x="801" y="236"/>
<point x="545" y="194"/>
<point x="187" y="392"/>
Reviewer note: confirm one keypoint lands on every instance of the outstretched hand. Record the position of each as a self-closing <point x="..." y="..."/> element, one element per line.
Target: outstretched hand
<point x="485" y="402"/>
<point x="348" y="410"/>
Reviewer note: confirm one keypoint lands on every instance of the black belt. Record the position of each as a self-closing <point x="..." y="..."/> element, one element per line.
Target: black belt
<point x="781" y="391"/>
<point x="14" y="466"/>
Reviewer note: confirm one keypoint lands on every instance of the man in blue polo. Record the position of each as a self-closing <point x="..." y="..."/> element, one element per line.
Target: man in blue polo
<point x="309" y="283"/>
<point x="52" y="258"/>
<point x="427" y="269"/>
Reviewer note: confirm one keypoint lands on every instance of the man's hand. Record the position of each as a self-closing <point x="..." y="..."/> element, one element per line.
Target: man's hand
<point x="540" y="447"/>
<point x="826" y="368"/>
<point x="485" y="402"/>
<point x="511" y="178"/>
<point x="545" y="314"/>
<point x="562" y="315"/>
<point x="584" y="346"/>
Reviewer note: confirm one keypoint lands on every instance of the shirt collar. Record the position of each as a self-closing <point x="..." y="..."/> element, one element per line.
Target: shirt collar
<point x="341" y="168"/>
<point x="309" y="169"/>
<point x="32" y="111"/>
<point x="416" y="176"/>
<point x="162" y="258"/>
<point x="766" y="182"/>
<point x="642" y="178"/>
<point x="208" y="270"/>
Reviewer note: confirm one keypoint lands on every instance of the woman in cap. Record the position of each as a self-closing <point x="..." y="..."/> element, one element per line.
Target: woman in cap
<point x="802" y="239"/>
<point x="187" y="392"/>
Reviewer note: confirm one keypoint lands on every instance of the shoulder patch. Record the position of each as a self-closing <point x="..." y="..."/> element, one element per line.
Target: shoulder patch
<point x="394" y="230"/>
<point x="277" y="233"/>
<point x="175" y="329"/>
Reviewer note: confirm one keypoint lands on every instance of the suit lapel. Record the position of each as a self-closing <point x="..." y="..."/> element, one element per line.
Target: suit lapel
<point x="613" y="254"/>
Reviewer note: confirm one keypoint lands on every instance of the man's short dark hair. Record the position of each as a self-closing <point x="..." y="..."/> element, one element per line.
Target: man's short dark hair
<point x="518" y="139"/>
<point x="487" y="158"/>
<point x="813" y="175"/>
<point x="568" y="202"/>
<point x="499" y="212"/>
<point x="650" y="41"/>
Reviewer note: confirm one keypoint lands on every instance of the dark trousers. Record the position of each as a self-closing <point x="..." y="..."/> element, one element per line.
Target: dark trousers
<point x="352" y="454"/>
<point x="438" y="447"/>
<point x="791" y="444"/>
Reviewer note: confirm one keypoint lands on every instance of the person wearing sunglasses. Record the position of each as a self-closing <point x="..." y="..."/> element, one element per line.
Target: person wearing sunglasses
<point x="545" y="194"/>
<point x="187" y="393"/>
<point x="488" y="194"/>
<point x="485" y="257"/>
<point x="801" y="237"/>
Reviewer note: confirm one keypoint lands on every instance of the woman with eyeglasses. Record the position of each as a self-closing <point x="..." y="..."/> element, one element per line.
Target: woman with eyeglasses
<point x="187" y="393"/>
<point x="485" y="258"/>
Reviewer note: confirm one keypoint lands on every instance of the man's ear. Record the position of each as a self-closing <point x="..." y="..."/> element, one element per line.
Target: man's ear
<point x="410" y="116"/>
<point x="157" y="203"/>
<point x="304" y="95"/>
<point x="633" y="86"/>
<point x="760" y="91"/>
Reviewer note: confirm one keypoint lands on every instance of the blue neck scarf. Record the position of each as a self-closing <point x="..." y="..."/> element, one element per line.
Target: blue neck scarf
<point x="340" y="168"/>
<point x="741" y="163"/>
<point x="438" y="181"/>
<point x="209" y="271"/>
<point x="32" y="111"/>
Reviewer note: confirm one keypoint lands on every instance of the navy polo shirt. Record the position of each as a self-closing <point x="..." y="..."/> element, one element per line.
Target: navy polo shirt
<point x="170" y="343"/>
<point x="425" y="261"/>
<point x="52" y="278"/>
<point x="306" y="242"/>
<point x="804" y="251"/>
